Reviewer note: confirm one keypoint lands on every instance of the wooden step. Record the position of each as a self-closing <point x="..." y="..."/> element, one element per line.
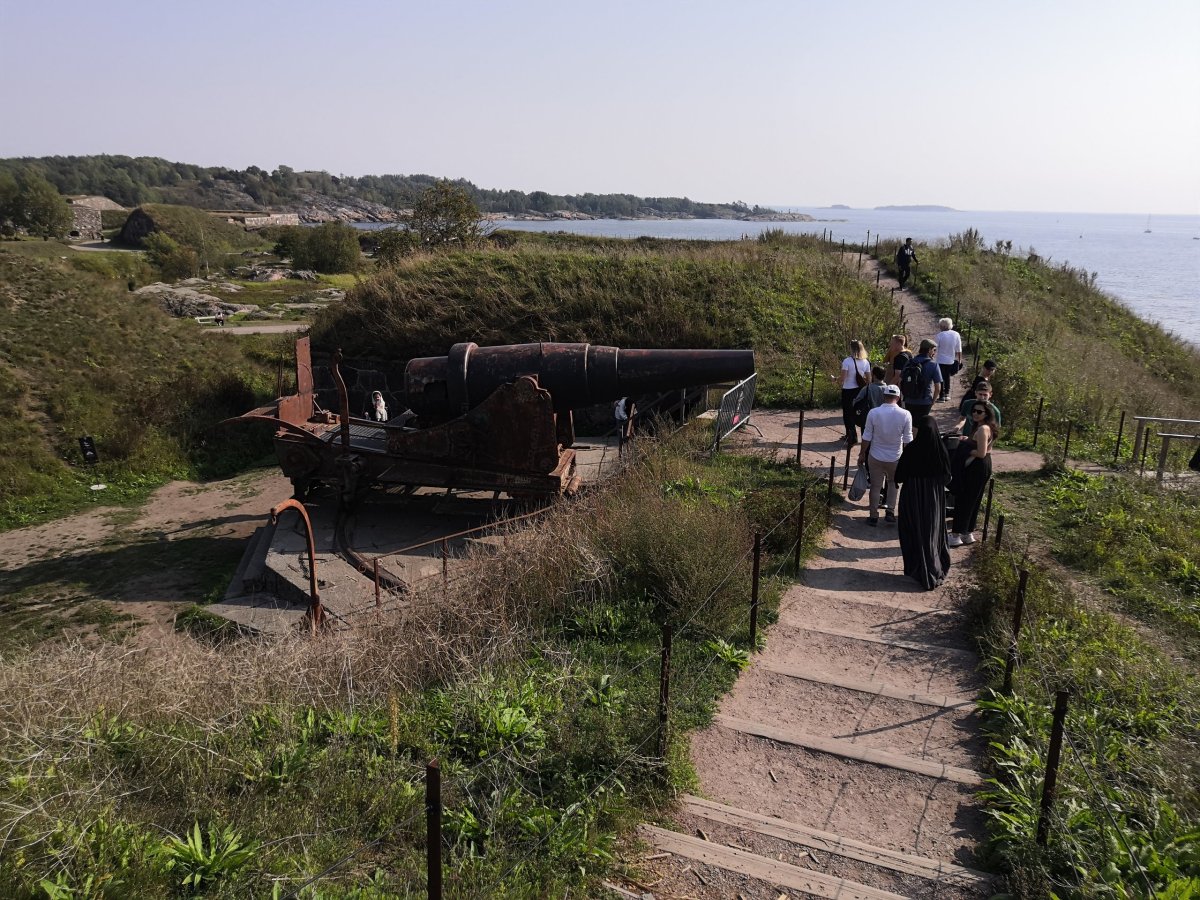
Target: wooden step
<point x="772" y="871"/>
<point x="849" y="750"/>
<point x="866" y="687"/>
<point x="936" y="870"/>
<point x="916" y="646"/>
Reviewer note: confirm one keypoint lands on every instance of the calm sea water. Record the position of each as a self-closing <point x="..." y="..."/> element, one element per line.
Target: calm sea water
<point x="1157" y="274"/>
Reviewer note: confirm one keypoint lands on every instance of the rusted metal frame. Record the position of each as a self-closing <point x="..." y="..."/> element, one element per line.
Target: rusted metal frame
<point x="343" y="398"/>
<point x="316" y="613"/>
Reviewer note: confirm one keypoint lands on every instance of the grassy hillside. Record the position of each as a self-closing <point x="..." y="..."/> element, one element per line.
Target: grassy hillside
<point x="780" y="296"/>
<point x="1057" y="336"/>
<point x="188" y="226"/>
<point x="80" y="355"/>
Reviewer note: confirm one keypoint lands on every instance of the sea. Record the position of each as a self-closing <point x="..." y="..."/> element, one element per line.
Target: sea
<point x="1151" y="264"/>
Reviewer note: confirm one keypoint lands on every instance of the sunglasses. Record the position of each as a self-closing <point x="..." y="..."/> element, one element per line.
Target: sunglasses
<point x="978" y="412"/>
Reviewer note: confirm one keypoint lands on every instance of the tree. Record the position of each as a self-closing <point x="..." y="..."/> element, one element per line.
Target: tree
<point x="329" y="248"/>
<point x="445" y="216"/>
<point x="39" y="208"/>
<point x="172" y="260"/>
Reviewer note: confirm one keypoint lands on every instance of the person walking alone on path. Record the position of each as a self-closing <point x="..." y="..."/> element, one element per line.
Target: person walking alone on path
<point x="923" y="473"/>
<point x="949" y="354"/>
<point x="856" y="374"/>
<point x="905" y="257"/>
<point x="888" y="429"/>
<point x="972" y="469"/>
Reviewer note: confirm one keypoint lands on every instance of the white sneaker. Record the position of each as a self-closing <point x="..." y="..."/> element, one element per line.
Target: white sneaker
<point x="968" y="538"/>
<point x="955" y="541"/>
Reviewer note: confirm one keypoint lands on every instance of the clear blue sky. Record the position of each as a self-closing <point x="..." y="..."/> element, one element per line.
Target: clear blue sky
<point x="1051" y="105"/>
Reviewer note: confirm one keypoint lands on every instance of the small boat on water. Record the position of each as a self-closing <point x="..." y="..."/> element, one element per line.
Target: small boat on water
<point x="1147" y="231"/>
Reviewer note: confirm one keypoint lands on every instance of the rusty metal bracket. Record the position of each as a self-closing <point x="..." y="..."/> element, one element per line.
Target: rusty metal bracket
<point x="316" y="614"/>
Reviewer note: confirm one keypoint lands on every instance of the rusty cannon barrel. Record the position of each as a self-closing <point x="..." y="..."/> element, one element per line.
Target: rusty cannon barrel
<point x="576" y="375"/>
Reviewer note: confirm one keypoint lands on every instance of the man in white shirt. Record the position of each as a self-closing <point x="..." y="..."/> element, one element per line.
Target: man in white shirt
<point x="949" y="354"/>
<point x="888" y="429"/>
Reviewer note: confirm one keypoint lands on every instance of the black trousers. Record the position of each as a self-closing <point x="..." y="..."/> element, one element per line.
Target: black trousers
<point x="947" y="375"/>
<point x="848" y="395"/>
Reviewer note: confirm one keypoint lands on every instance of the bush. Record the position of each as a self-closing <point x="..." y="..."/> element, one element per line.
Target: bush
<point x="331" y="249"/>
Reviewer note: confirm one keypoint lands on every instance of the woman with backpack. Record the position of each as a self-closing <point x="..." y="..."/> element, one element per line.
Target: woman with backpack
<point x="856" y="374"/>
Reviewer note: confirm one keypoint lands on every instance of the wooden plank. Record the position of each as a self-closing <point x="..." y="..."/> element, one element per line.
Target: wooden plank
<point x="867" y="687"/>
<point x="800" y="592"/>
<point x="918" y="646"/>
<point x="772" y="871"/>
<point x="848" y="750"/>
<point x="937" y="870"/>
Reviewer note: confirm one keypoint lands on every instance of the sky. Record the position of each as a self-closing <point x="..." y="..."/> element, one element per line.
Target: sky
<point x="1055" y="105"/>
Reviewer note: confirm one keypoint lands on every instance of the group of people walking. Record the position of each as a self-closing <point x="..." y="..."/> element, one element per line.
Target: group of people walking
<point x="901" y="446"/>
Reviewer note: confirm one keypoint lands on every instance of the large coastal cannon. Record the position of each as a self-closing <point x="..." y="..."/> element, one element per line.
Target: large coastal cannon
<point x="576" y="375"/>
<point x="487" y="418"/>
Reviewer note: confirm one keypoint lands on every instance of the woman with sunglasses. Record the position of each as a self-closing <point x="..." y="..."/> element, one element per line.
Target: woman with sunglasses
<point x="969" y="484"/>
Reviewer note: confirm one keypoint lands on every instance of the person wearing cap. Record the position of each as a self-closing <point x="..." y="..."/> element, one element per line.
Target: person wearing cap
<point x="929" y="387"/>
<point x="983" y="393"/>
<point x="888" y="429"/>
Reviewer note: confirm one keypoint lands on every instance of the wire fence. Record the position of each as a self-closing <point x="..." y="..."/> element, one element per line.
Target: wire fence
<point x="657" y="731"/>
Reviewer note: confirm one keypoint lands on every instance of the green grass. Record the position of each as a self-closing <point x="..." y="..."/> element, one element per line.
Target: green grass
<point x="785" y="299"/>
<point x="80" y="355"/>
<point x="1111" y="616"/>
<point x="1057" y="337"/>
<point x="536" y="689"/>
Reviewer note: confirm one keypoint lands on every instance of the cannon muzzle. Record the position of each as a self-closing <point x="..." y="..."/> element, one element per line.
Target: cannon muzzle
<point x="576" y="375"/>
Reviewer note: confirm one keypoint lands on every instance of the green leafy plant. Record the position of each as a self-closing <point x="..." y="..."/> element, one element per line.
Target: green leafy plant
<point x="206" y="859"/>
<point x="732" y="656"/>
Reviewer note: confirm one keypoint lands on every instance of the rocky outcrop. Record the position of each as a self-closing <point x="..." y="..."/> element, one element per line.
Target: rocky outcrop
<point x="320" y="208"/>
<point x="184" y="301"/>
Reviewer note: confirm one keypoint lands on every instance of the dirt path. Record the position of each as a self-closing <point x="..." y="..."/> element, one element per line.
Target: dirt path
<point x="143" y="564"/>
<point x="845" y="761"/>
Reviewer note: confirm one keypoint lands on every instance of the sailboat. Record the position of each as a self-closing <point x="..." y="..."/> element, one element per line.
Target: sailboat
<point x="1147" y="231"/>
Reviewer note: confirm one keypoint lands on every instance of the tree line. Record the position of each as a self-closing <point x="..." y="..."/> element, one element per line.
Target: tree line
<point x="133" y="181"/>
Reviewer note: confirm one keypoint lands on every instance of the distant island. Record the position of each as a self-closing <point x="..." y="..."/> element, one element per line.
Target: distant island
<point x="919" y="208"/>
<point x="321" y="197"/>
<point x="839" y="206"/>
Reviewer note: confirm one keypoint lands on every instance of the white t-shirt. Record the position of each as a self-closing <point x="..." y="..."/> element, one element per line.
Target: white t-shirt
<point x="848" y="367"/>
<point x="888" y="429"/>
<point x="949" y="344"/>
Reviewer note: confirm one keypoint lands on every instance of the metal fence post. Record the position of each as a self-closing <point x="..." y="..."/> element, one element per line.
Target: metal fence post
<point x="433" y="829"/>
<point x="812" y="384"/>
<point x="846" y="470"/>
<point x="664" y="691"/>
<point x="1037" y="425"/>
<point x="1145" y="447"/>
<point x="1052" y="758"/>
<point x="832" y="467"/>
<point x="754" y="584"/>
<point x="445" y="563"/>
<point x="1163" y="450"/>
<point x="375" y="566"/>
<point x="999" y="530"/>
<point x="1010" y="658"/>
<point x="1067" y="443"/>
<point x="1120" y="432"/>
<point x="987" y="513"/>
<point x="800" y="438"/>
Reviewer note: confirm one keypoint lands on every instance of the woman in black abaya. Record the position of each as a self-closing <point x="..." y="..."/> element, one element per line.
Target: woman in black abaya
<point x="923" y="473"/>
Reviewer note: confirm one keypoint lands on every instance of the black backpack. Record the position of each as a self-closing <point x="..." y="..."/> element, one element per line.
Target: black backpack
<point x="913" y="381"/>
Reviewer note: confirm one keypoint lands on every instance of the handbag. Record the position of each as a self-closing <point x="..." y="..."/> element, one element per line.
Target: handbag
<point x="859" y="378"/>
<point x="861" y="483"/>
